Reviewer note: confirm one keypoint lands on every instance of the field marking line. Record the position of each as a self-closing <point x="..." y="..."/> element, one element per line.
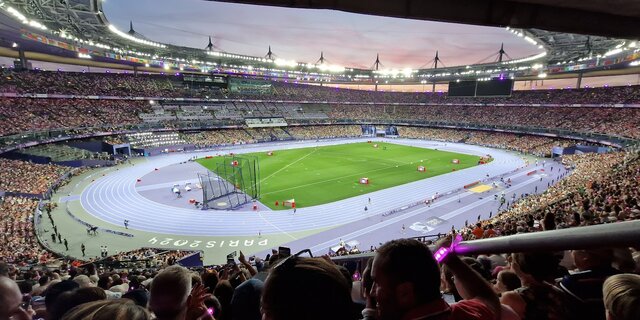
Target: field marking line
<point x="290" y="164"/>
<point x="351" y="175"/>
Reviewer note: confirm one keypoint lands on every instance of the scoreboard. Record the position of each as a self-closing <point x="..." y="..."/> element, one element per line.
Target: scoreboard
<point x="472" y="88"/>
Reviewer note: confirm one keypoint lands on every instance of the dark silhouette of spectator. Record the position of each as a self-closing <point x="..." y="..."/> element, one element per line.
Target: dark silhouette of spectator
<point x="245" y="302"/>
<point x="585" y="286"/>
<point x="407" y="285"/>
<point x="306" y="288"/>
<point x="11" y="301"/>
<point x="537" y="298"/>
<point x="118" y="309"/>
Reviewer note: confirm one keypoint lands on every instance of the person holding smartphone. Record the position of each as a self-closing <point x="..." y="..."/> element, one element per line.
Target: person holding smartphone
<point x="12" y="305"/>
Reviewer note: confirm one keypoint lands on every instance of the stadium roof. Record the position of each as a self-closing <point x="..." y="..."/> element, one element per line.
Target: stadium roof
<point x="610" y="18"/>
<point x="86" y="18"/>
<point x="84" y="23"/>
<point x="563" y="46"/>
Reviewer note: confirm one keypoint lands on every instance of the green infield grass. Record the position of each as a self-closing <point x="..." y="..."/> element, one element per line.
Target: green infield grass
<point x="318" y="175"/>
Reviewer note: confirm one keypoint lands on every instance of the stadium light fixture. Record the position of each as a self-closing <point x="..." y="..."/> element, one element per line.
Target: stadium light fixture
<point x="18" y="15"/>
<point x="330" y="68"/>
<point x="407" y="72"/>
<point x="285" y="63"/>
<point x="127" y="36"/>
<point x="613" y="52"/>
<point x="531" y="58"/>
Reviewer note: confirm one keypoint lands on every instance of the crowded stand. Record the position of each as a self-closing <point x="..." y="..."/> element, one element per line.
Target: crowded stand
<point x="615" y="121"/>
<point x="62" y="152"/>
<point x="268" y="134"/>
<point x="128" y="256"/>
<point x="602" y="188"/>
<point x="142" y="140"/>
<point x="19" y="244"/>
<point x="621" y="121"/>
<point x="138" y="258"/>
<point x="143" y="85"/>
<point x="105" y="84"/>
<point x="218" y="137"/>
<point x="529" y="144"/>
<point x="598" y="96"/>
<point x="28" y="115"/>
<point x="30" y="178"/>
<point x="402" y="281"/>
<point x="324" y="132"/>
<point x="535" y="145"/>
<point x="25" y="114"/>
<point x="449" y="135"/>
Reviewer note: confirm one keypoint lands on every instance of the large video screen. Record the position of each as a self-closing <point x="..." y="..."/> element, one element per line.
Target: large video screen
<point x="462" y="88"/>
<point x="494" y="87"/>
<point x="491" y="88"/>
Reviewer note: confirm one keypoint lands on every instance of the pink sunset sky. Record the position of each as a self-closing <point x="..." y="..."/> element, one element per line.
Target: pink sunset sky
<point x="347" y="39"/>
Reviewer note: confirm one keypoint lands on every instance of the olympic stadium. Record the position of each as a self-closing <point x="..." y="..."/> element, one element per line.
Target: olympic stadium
<point x="162" y="153"/>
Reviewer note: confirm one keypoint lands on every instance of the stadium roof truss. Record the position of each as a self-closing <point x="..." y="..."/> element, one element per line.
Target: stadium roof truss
<point x="563" y="47"/>
<point x="78" y="16"/>
<point x="84" y="22"/>
<point x="86" y="19"/>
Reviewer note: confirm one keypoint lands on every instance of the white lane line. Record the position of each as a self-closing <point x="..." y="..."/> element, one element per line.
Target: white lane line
<point x="323" y="246"/>
<point x="276" y="227"/>
<point x="116" y="195"/>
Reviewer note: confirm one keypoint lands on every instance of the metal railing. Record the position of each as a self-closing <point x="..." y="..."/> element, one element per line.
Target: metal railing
<point x="610" y="235"/>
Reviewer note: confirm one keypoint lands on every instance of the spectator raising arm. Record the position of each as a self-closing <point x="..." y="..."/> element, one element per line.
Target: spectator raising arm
<point x="473" y="285"/>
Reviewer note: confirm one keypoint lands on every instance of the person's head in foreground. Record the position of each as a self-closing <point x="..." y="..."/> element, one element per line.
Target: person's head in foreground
<point x="622" y="297"/>
<point x="11" y="300"/>
<point x="405" y="275"/>
<point x="170" y="291"/>
<point x="406" y="285"/>
<point x="306" y="288"/>
<point x="117" y="309"/>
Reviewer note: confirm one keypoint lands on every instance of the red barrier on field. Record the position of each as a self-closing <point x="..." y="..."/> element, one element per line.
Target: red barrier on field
<point x="532" y="172"/>
<point x="471" y="184"/>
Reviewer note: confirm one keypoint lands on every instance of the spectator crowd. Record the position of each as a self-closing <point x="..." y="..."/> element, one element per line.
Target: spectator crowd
<point x="28" y="114"/>
<point x="535" y="145"/>
<point x="26" y="177"/>
<point x="522" y="108"/>
<point x="603" y="188"/>
<point x="402" y="281"/>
